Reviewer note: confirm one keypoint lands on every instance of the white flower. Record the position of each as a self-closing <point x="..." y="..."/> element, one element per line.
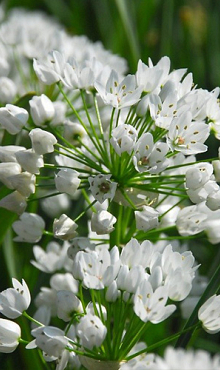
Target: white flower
<point x="50" y="339"/>
<point x="149" y="305"/>
<point x="177" y="359"/>
<point x="14" y="202"/>
<point x="119" y="94"/>
<point x="102" y="222"/>
<point x="198" y="175"/>
<point x="51" y="259"/>
<point x="10" y="333"/>
<point x="24" y="183"/>
<point x="213" y="200"/>
<point x="67" y="305"/>
<point x="14" y="301"/>
<point x="67" y="181"/>
<point x="64" y="282"/>
<point x="73" y="131"/>
<point x="152" y="77"/>
<point x="190" y="221"/>
<point x="42" y="109"/>
<point x="29" y="228"/>
<point x="102" y="187"/>
<point x="7" y="152"/>
<point x="8" y="169"/>
<point x="123" y="138"/>
<point x="42" y="141"/>
<point x="96" y="269"/>
<point x="187" y="136"/>
<point x="64" y="228"/>
<point x="91" y="331"/>
<point x="29" y="160"/>
<point x="149" y="156"/>
<point x="50" y="70"/>
<point x="209" y="314"/>
<point x="13" y="118"/>
<point x="8" y="90"/>
<point x="147" y="218"/>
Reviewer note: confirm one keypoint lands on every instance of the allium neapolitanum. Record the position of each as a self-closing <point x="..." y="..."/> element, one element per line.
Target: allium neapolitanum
<point x="127" y="145"/>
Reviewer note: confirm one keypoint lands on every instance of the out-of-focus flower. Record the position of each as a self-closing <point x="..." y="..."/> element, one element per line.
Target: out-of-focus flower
<point x="29" y="228"/>
<point x="209" y="314"/>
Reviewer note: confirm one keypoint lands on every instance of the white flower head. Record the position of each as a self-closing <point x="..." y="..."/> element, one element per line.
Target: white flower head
<point x="102" y="187"/>
<point x="13" y="301"/>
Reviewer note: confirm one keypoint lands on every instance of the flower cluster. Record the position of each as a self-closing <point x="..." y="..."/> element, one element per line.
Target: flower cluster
<point x="120" y="150"/>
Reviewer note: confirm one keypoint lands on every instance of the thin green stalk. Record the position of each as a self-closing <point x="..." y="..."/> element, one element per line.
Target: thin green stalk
<point x="90" y="121"/>
<point x="161" y="343"/>
<point x="78" y="116"/>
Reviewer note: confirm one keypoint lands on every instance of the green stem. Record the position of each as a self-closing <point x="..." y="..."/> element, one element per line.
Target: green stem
<point x="24" y="313"/>
<point x="162" y="342"/>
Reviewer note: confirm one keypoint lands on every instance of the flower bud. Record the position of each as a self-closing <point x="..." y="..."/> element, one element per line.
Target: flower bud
<point x="10" y="333"/>
<point x="67" y="181"/>
<point x="7" y="170"/>
<point x="91" y="331"/>
<point x="13" y="118"/>
<point x="42" y="141"/>
<point x="42" y="109"/>
<point x="30" y="161"/>
<point x="102" y="222"/>
<point x="24" y="183"/>
<point x="64" y="228"/>
<point x="7" y="152"/>
<point x="14" y="202"/>
<point x="147" y="218"/>
<point x="67" y="305"/>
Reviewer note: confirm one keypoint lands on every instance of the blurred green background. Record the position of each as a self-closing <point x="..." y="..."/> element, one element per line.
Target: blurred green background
<point x="188" y="31"/>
